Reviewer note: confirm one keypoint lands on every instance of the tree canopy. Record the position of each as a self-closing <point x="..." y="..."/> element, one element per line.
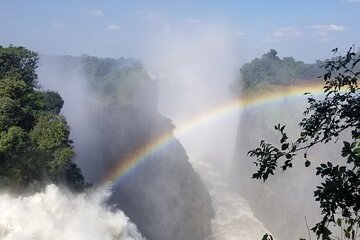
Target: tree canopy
<point x="274" y="70"/>
<point x="326" y="120"/>
<point x="123" y="81"/>
<point x="34" y="139"/>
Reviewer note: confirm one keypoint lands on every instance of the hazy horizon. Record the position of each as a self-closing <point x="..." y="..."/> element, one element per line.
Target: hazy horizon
<point x="306" y="30"/>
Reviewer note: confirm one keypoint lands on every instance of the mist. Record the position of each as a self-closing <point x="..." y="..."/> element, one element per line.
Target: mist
<point x="195" y="71"/>
<point x="196" y="68"/>
<point x="193" y="68"/>
<point x="282" y="202"/>
<point x="145" y="86"/>
<point x="81" y="107"/>
<point x="58" y="214"/>
<point x="198" y="184"/>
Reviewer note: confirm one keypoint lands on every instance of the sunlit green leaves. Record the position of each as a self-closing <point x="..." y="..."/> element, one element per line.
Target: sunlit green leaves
<point x="13" y="141"/>
<point x="10" y="113"/>
<point x="50" y="132"/>
<point x="34" y="139"/>
<point x="19" y="62"/>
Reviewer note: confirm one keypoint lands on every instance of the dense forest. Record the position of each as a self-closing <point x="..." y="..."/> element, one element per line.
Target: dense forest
<point x="35" y="148"/>
<point x="270" y="69"/>
<point x="122" y="79"/>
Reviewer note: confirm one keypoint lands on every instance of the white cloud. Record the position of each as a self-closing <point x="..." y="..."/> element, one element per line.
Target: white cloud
<point x="287" y="32"/>
<point x="284" y="33"/>
<point x="322" y="31"/>
<point x="94" y="12"/>
<point x="114" y="28"/>
<point x="328" y="28"/>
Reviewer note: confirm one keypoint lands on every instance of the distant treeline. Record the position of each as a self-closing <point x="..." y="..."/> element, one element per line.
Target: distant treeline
<point x="122" y="79"/>
<point x="270" y="69"/>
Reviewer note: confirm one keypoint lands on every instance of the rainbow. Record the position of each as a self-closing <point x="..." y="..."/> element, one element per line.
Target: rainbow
<point x="259" y="98"/>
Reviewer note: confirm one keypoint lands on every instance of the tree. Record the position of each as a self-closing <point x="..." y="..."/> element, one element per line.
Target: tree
<point x="324" y="120"/>
<point x="53" y="102"/>
<point x="270" y="69"/>
<point x="34" y="139"/>
<point x="272" y="55"/>
<point x="19" y="62"/>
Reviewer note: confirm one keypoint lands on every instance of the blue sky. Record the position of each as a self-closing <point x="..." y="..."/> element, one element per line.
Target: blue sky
<point x="307" y="30"/>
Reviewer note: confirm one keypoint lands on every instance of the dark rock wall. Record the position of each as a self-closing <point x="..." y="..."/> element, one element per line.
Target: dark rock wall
<point x="163" y="195"/>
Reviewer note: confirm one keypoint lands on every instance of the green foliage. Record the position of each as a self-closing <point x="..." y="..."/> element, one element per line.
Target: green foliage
<point x="339" y="111"/>
<point x="13" y="141"/>
<point x="51" y="136"/>
<point x="122" y="81"/>
<point x="19" y="62"/>
<point x="50" y="132"/>
<point x="10" y="113"/>
<point x="117" y="79"/>
<point x="34" y="139"/>
<point x="271" y="69"/>
<point x="53" y="102"/>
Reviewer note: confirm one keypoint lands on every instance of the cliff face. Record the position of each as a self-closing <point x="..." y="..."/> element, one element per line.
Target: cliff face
<point x="162" y="195"/>
<point x="285" y="199"/>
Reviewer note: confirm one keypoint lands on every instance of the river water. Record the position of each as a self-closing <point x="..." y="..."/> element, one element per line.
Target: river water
<point x="234" y="218"/>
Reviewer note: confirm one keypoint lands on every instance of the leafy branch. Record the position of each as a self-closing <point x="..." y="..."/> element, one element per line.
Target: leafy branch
<point x="324" y="120"/>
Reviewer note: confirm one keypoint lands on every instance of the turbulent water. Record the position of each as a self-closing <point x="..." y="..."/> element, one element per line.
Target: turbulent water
<point x="233" y="217"/>
<point x="57" y="215"/>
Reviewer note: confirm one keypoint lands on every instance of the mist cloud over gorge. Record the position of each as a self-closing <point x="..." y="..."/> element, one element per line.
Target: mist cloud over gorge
<point x="58" y="214"/>
<point x="164" y="100"/>
<point x="194" y="67"/>
<point x="121" y="129"/>
<point x="196" y="63"/>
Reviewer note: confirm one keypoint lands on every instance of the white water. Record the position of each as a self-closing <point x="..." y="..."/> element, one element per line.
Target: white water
<point x="58" y="215"/>
<point x="233" y="217"/>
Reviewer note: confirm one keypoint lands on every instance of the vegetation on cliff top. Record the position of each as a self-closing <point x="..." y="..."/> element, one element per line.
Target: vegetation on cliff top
<point x="270" y="69"/>
<point x="34" y="138"/>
